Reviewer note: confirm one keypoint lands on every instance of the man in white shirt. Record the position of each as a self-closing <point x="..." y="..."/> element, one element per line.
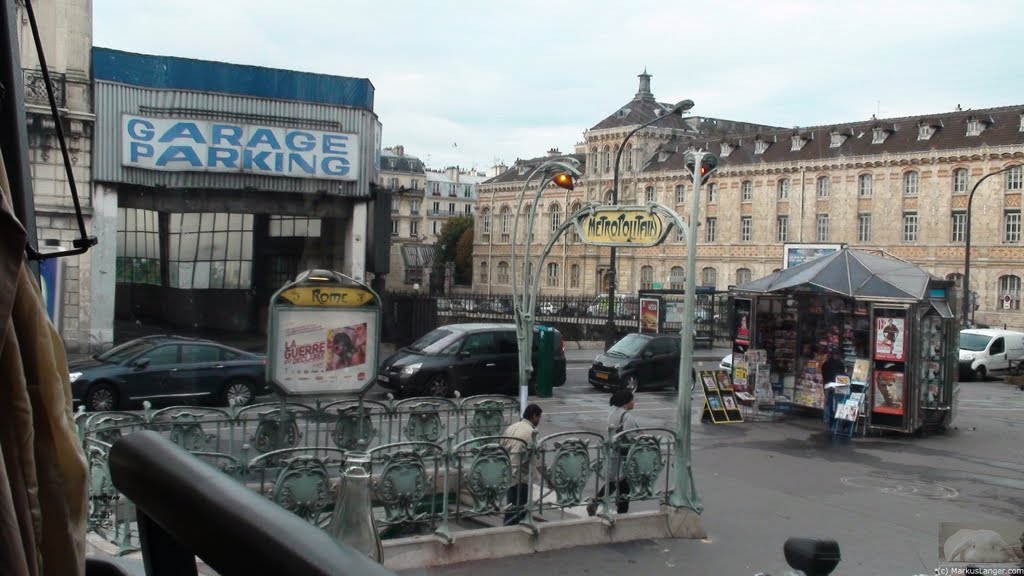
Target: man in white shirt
<point x="518" y="492"/>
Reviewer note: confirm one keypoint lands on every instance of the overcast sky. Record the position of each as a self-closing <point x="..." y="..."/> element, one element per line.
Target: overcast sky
<point x="471" y="82"/>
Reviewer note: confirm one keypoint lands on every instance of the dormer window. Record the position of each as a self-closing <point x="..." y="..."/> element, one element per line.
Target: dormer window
<point x="1021" y="129"/>
<point x="837" y="140"/>
<point x="662" y="156"/>
<point x="925" y="130"/>
<point x="760" y="146"/>
<point x="974" y="127"/>
<point x="878" y="135"/>
<point x="797" y="143"/>
<point x="726" y="149"/>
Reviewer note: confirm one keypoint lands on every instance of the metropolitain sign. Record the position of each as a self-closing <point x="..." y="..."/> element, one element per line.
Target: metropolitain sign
<point x="621" y="226"/>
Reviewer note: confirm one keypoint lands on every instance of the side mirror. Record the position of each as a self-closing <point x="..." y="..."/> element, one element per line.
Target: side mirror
<point x="141" y="363"/>
<point x="812" y="557"/>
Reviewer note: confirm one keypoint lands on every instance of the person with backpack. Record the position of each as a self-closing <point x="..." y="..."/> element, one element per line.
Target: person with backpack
<point x="620" y="419"/>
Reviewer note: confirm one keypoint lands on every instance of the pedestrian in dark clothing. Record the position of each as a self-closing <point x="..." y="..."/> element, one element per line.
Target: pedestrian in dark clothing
<point x="620" y="419"/>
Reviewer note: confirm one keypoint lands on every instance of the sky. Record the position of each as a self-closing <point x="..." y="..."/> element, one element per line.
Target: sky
<point x="473" y="83"/>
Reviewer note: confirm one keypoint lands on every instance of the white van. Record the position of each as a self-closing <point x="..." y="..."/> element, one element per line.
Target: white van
<point x="985" y="351"/>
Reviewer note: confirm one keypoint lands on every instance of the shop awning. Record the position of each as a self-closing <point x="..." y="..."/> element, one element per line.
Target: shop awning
<point x="851" y="273"/>
<point x="418" y="255"/>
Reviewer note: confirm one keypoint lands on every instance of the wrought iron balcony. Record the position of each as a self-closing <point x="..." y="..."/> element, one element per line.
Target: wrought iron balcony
<point x="35" y="88"/>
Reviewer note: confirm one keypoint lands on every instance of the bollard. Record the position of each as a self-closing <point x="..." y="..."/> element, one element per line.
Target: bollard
<point x="352" y="522"/>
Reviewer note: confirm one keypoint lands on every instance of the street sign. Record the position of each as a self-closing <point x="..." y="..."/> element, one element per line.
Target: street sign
<point x="623" y="226"/>
<point x="1006" y="301"/>
<point x="324" y="336"/>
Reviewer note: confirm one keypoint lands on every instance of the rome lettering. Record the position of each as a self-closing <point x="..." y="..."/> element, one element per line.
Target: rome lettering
<point x="640" y="228"/>
<point x="295" y="353"/>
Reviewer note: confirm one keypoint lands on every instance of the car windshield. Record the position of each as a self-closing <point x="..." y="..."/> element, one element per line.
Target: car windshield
<point x="433" y="342"/>
<point x="127" y="351"/>
<point x="974" y="342"/>
<point x="630" y="346"/>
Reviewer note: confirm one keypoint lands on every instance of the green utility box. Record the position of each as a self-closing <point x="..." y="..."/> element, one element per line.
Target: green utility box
<point x="545" y="377"/>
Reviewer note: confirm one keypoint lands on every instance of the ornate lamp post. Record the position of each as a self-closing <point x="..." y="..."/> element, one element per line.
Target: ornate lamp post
<point x="679" y="109"/>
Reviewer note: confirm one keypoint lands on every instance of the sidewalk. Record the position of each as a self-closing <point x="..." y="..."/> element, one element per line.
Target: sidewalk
<point x="574" y="355"/>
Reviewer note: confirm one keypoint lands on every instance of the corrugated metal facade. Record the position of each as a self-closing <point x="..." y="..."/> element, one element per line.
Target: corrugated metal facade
<point x="112" y="100"/>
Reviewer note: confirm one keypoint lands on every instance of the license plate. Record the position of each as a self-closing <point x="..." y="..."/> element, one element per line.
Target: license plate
<point x="601" y="376"/>
<point x="383" y="378"/>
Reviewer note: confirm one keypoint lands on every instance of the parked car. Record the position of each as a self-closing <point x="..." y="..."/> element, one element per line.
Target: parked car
<point x="625" y="306"/>
<point x="469" y="358"/>
<point x="547" y="308"/>
<point x="983" y="352"/>
<point x="638" y="361"/>
<point x="161" y="368"/>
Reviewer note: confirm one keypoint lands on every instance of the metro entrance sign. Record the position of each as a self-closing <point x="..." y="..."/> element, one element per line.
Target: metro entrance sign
<point x="324" y="335"/>
<point x="625" y="226"/>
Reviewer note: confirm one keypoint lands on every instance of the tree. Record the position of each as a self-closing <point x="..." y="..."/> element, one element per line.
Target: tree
<point x="446" y="249"/>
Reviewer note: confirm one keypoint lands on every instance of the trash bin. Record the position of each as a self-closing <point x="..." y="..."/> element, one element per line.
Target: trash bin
<point x="545" y="375"/>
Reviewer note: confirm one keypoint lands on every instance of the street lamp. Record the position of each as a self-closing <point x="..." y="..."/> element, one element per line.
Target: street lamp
<point x="561" y="172"/>
<point x="967" y="244"/>
<point x="699" y="164"/>
<point x="679" y="109"/>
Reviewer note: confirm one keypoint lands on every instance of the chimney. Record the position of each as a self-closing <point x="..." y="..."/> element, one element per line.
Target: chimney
<point x="453" y="173"/>
<point x="399" y="150"/>
<point x="644" y="93"/>
<point x="553" y="152"/>
<point x="497" y="170"/>
<point x="958" y="108"/>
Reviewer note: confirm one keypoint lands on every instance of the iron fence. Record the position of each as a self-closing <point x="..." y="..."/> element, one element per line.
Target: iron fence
<point x="436" y="464"/>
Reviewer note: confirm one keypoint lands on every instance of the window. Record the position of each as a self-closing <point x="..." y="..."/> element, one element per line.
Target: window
<point x="162" y="355"/>
<point x="435" y="188"/>
<point x="864" y="183"/>
<point x="1011" y="227"/>
<point x="959" y="227"/>
<point x="760" y="146"/>
<point x="796" y="143"/>
<point x="960" y="181"/>
<point x="294" y="227"/>
<point x="823" y="187"/>
<point x="712" y="193"/>
<point x="608" y="197"/>
<point x="711" y="232"/>
<point x="503" y="272"/>
<point x="394" y="227"/>
<point x="574" y="276"/>
<point x="553" y="274"/>
<point x="414" y="229"/>
<point x="746" y="228"/>
<point x="629" y="157"/>
<point x="910" y="182"/>
<point x="726" y="149"/>
<point x="436" y="209"/>
<point x="483" y="272"/>
<point x="782" y="229"/>
<point x="910" y="226"/>
<point x="743" y="276"/>
<point x="468" y="209"/>
<point x="646" y="277"/>
<point x="210" y="250"/>
<point x="485" y="220"/>
<point x="199" y="354"/>
<point x="1008" y="286"/>
<point x="138" y="246"/>
<point x="607" y="159"/>
<point x="973" y="127"/>
<point x="878" y="136"/>
<point x="709" y="277"/>
<point x="556" y="217"/>
<point x="435" y="227"/>
<point x="480" y="344"/>
<point x="394" y="183"/>
<point x="677" y="278"/>
<point x="747" y="191"/>
<point x="414" y="207"/>
<point x="414" y="184"/>
<point x="784" y="189"/>
<point x="414" y="275"/>
<point x="649" y="194"/>
<point x="451" y="208"/>
<point x="821" y="228"/>
<point x="925" y="131"/>
<point x="836" y="140"/>
<point x="1015" y="179"/>
<point x="864" y="228"/>
<point x="467" y="192"/>
<point x="680" y="193"/>
<point x="594" y="161"/>
<point x="574" y="236"/>
<point x="506" y="223"/>
<point x="679" y="234"/>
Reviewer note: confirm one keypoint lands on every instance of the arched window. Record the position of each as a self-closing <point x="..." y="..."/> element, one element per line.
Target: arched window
<point x="607" y="159"/>
<point x="574" y="276"/>
<point x="960" y="176"/>
<point x="747" y="191"/>
<point x="553" y="274"/>
<point x="629" y="157"/>
<point x="677" y="278"/>
<point x="910" y="183"/>
<point x="646" y="277"/>
<point x="608" y="197"/>
<point x="485" y="223"/>
<point x="503" y="273"/>
<point x="506" y="223"/>
<point x="864" y="185"/>
<point x="743" y="276"/>
<point x="556" y="217"/>
<point x="483" y="272"/>
<point x="784" y="189"/>
<point x="595" y="164"/>
<point x="649" y="194"/>
<point x="1008" y="297"/>
<point x="823" y="187"/>
<point x="709" y="277"/>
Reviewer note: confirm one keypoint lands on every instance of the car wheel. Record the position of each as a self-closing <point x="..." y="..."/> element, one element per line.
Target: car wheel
<point x="101" y="398"/>
<point x="980" y="373"/>
<point x="632" y="384"/>
<point x="238" y="393"/>
<point x="438" y="386"/>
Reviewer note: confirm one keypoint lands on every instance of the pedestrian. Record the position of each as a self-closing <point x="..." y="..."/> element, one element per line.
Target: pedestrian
<point x="620" y="419"/>
<point x="519" y="491"/>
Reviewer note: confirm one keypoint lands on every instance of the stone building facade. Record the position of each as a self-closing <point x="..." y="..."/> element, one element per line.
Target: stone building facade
<point x="896" y="185"/>
<point x="65" y="28"/>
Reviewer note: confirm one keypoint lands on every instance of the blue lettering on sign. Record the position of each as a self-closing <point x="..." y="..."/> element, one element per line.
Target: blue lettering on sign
<point x="179" y="154"/>
<point x="303" y="164"/>
<point x="334" y="165"/>
<point x="306" y="146"/>
<point x="335" y="144"/>
<point x="263" y="136"/>
<point x="184" y="130"/>
<point x="227" y="157"/>
<point x="226" y="133"/>
<point x="139" y="150"/>
<point x="251" y="158"/>
<point x="141" y="129"/>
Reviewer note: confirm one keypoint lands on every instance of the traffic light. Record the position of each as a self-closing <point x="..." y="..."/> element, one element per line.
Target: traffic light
<point x="708" y="163"/>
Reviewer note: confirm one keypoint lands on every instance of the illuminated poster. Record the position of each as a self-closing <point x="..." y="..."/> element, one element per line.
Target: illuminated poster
<point x="650" y="311"/>
<point x="888" y="393"/>
<point x="890" y="337"/>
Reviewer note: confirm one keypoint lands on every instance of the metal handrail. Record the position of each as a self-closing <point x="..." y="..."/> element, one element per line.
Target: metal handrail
<point x="187" y="508"/>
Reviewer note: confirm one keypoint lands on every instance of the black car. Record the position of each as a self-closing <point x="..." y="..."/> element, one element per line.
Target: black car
<point x="469" y="358"/>
<point x="638" y="361"/>
<point x="167" y="368"/>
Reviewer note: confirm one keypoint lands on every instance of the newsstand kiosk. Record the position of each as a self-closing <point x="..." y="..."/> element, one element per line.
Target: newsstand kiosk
<point x="882" y="324"/>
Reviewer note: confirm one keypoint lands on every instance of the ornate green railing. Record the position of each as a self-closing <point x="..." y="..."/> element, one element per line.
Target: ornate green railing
<point x="437" y="465"/>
